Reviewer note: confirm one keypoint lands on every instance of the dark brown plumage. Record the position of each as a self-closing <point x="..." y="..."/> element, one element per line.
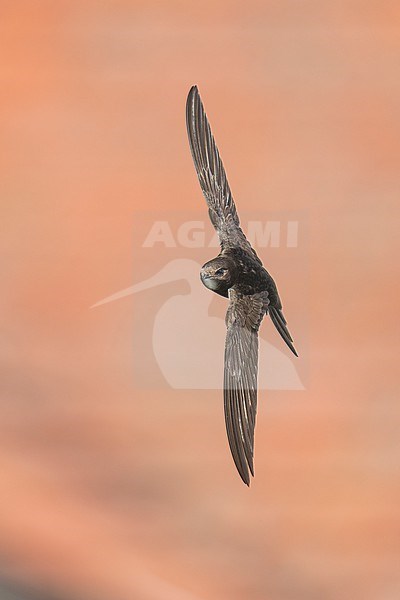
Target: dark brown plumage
<point x="238" y="274"/>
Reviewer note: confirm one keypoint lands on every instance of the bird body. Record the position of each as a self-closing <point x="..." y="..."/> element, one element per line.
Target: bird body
<point x="244" y="272"/>
<point x="236" y="273"/>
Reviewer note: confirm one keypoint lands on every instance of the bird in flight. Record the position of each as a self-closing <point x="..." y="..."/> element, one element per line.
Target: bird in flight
<point x="236" y="273"/>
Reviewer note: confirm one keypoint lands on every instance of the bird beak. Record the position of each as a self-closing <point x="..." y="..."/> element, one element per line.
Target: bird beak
<point x="163" y="276"/>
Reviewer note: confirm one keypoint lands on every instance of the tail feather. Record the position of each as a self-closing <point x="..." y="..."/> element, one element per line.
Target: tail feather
<point x="280" y="323"/>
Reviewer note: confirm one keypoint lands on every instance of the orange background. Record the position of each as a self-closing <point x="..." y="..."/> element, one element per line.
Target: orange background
<point x="110" y="492"/>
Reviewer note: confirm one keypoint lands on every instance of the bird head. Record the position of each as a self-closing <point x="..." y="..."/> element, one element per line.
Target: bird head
<point x="218" y="274"/>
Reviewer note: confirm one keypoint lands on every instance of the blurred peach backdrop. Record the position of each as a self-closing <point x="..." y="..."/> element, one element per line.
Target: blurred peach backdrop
<point x="109" y="491"/>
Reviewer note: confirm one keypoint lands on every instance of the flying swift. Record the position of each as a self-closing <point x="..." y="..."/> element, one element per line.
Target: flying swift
<point x="236" y="273"/>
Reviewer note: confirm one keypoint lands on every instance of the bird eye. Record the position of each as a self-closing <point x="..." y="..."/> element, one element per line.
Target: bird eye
<point x="220" y="271"/>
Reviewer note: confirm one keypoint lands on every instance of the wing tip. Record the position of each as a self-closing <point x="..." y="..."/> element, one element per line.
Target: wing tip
<point x="193" y="91"/>
<point x="193" y="98"/>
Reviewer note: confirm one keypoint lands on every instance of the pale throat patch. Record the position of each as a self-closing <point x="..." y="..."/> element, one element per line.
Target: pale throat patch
<point x="211" y="284"/>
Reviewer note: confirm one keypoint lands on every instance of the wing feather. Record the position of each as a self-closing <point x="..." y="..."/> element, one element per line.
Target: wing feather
<point x="243" y="320"/>
<point x="212" y="177"/>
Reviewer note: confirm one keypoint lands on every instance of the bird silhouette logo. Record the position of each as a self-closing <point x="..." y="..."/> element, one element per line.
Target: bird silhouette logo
<point x="183" y="323"/>
<point x="187" y="342"/>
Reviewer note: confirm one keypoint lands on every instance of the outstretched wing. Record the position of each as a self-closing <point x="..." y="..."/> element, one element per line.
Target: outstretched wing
<point x="243" y="320"/>
<point x="212" y="176"/>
